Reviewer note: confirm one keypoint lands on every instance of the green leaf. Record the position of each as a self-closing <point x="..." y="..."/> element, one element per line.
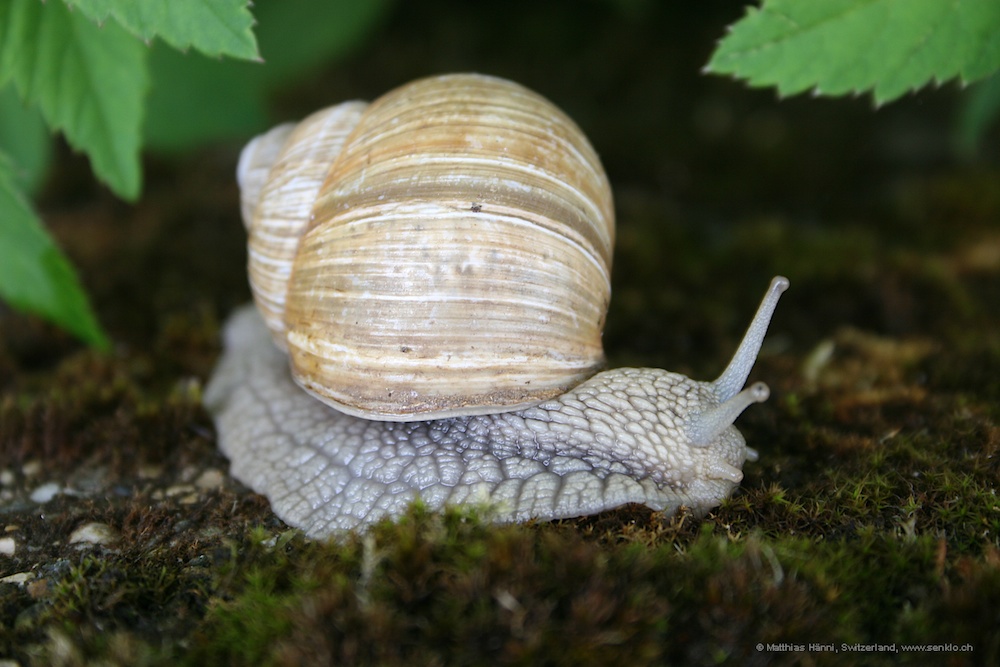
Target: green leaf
<point x="25" y="138"/>
<point x="214" y="27"/>
<point x="34" y="275"/>
<point x="194" y="99"/>
<point x="89" y="82"/>
<point x="835" y="47"/>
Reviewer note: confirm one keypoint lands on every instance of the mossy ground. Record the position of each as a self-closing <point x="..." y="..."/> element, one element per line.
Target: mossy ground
<point x="872" y="516"/>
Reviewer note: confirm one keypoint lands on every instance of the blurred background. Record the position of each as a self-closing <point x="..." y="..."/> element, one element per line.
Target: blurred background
<point x="718" y="186"/>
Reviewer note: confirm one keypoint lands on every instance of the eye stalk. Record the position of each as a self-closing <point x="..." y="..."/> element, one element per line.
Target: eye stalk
<point x="735" y="376"/>
<point x="708" y="425"/>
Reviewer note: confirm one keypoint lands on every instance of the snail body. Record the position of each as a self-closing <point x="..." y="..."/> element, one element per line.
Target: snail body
<point x="436" y="266"/>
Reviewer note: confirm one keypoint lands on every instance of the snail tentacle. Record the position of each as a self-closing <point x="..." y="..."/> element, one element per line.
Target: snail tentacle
<point x="706" y="426"/>
<point x="735" y="376"/>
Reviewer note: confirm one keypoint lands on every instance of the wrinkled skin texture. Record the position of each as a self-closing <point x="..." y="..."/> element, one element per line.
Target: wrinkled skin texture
<point x="618" y="438"/>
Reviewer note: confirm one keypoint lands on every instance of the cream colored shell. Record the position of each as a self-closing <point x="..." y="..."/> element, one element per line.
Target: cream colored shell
<point x="445" y="251"/>
<point x="280" y="173"/>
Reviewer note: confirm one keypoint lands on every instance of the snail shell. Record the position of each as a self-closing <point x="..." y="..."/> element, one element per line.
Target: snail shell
<point x="443" y="251"/>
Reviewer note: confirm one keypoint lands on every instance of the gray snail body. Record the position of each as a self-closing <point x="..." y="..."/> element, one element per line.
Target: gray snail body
<point x="570" y="444"/>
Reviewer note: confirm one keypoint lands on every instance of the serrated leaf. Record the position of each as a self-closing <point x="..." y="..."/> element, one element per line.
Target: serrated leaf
<point x="87" y="81"/>
<point x="34" y="275"/>
<point x="836" y="47"/>
<point x="214" y="27"/>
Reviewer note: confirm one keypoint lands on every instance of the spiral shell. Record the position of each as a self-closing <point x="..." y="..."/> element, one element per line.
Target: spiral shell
<point x="444" y="251"/>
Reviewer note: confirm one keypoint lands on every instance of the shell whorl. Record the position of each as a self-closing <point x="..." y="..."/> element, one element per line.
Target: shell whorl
<point x="455" y="258"/>
<point x="280" y="174"/>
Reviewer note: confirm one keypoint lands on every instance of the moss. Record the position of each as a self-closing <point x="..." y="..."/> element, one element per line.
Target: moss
<point x="445" y="588"/>
<point x="101" y="599"/>
<point x="448" y="589"/>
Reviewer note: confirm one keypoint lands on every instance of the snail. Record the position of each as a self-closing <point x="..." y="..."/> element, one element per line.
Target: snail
<point x="431" y="274"/>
